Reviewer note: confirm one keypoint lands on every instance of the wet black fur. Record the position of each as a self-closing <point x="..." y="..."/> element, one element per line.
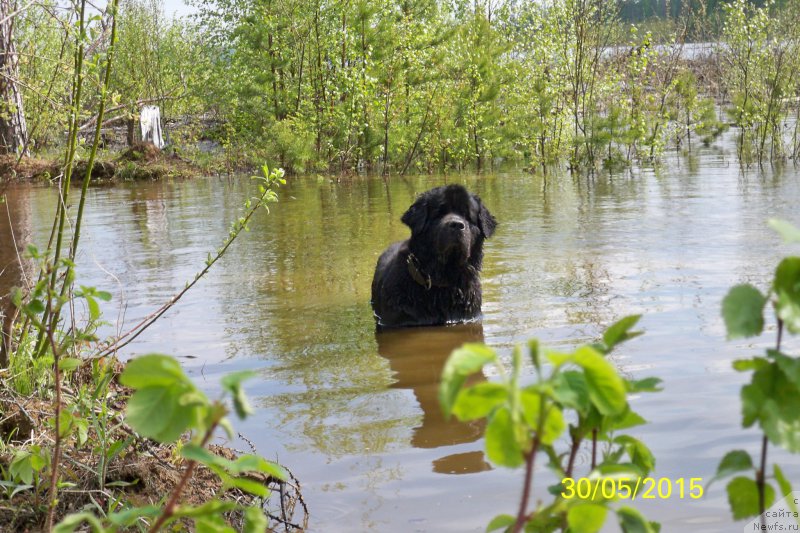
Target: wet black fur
<point x="448" y="226"/>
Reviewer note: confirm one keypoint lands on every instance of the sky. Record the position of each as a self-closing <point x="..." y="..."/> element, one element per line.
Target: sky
<point x="177" y="8"/>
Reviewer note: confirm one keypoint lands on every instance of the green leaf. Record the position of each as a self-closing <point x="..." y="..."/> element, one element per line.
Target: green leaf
<point x="129" y="517"/>
<point x="745" y="365"/>
<point x="21" y="467"/>
<point x="570" y="390"/>
<point x="650" y="384"/>
<point x="254" y="520"/>
<point x="620" y="332"/>
<point x="743" y="497"/>
<point x="463" y="362"/>
<point x="628" y="419"/>
<point x="743" y="311"/>
<point x="68" y="363"/>
<point x="733" y="462"/>
<point x="784" y="485"/>
<point x="94" y="308"/>
<point x="71" y="522"/>
<point x="632" y="521"/>
<point x="790" y="366"/>
<point x="558" y="358"/>
<point x="535" y="355"/>
<point x="606" y="387"/>
<point x="193" y="452"/>
<point x="153" y="370"/>
<point x="553" y="424"/>
<point x="773" y="400"/>
<point x="103" y="295"/>
<point x="157" y="413"/>
<point x="210" y="508"/>
<point x="254" y="463"/>
<point x="479" y="400"/>
<point x="639" y="453"/>
<point x="212" y="524"/>
<point x="787" y="286"/>
<point x="34" y="307"/>
<point x="233" y="384"/>
<point x="245" y="463"/>
<point x="789" y="233"/>
<point x="502" y="447"/>
<point x="251" y="486"/>
<point x="586" y="517"/>
<point x="501" y="521"/>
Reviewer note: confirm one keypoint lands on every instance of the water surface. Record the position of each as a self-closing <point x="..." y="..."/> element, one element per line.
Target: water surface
<point x="354" y="416"/>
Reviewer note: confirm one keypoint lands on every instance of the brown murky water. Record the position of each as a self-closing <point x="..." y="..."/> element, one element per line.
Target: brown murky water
<point x="354" y="415"/>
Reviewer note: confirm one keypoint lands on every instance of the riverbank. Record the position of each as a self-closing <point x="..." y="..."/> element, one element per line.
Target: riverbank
<point x="108" y="462"/>
<point x="142" y="161"/>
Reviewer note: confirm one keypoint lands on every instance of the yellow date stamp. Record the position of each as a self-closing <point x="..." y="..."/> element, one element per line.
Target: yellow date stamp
<point x="628" y="488"/>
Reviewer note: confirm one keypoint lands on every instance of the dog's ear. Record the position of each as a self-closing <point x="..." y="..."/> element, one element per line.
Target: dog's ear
<point x="417" y="215"/>
<point x="486" y="222"/>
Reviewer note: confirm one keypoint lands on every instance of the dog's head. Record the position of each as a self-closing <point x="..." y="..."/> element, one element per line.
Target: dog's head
<point x="451" y="224"/>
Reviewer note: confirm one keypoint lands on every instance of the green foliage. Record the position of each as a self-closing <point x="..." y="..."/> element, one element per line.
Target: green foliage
<point x="743" y="310"/>
<point x="761" y="52"/>
<point x="772" y="397"/>
<point x="524" y="421"/>
<point x="165" y="404"/>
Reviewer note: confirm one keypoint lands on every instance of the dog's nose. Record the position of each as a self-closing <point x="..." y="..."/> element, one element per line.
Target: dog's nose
<point x="457" y="225"/>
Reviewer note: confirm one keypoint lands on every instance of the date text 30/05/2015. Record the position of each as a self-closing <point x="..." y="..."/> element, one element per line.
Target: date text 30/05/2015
<point x="646" y="488"/>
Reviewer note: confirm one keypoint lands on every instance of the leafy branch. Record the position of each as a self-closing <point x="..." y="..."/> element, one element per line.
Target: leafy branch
<point x="267" y="182"/>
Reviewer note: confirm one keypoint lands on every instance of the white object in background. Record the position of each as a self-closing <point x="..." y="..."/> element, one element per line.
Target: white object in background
<point x="150" y="120"/>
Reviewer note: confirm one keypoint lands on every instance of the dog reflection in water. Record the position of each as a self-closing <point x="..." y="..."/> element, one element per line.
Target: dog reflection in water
<point x="417" y="356"/>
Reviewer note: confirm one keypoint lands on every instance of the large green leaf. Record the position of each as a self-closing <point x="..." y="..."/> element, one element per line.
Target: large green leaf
<point x="479" y="400"/>
<point x="570" y="390"/>
<point x="157" y="413"/>
<point x="553" y="423"/>
<point x="743" y="497"/>
<point x="773" y="400"/>
<point x="502" y="521"/>
<point x="639" y="453"/>
<point x="462" y="363"/>
<point x="733" y="462"/>
<point x="153" y="370"/>
<point x="632" y="521"/>
<point x="502" y="447"/>
<point x="606" y="387"/>
<point x="743" y="311"/>
<point x="620" y="332"/>
<point x="787" y="286"/>
<point x="586" y="517"/>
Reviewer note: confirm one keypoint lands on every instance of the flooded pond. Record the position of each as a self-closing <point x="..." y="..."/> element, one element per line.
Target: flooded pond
<point x="354" y="416"/>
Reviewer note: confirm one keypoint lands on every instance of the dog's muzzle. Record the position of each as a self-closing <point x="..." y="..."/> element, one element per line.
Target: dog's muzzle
<point x="454" y="238"/>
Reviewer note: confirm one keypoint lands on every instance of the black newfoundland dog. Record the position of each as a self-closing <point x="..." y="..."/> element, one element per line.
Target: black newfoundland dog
<point x="433" y="278"/>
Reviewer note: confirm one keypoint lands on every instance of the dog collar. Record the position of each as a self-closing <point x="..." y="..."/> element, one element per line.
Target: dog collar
<point x="417" y="273"/>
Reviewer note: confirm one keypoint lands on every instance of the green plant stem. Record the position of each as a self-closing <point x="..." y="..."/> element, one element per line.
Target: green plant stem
<point x="760" y="477"/>
<point x="573" y="452"/>
<point x="126" y="338"/>
<point x="52" y="494"/>
<point x="530" y="460"/>
<point x="761" y="472"/>
<point x="96" y="142"/>
<point x="69" y="158"/>
<point x="175" y="497"/>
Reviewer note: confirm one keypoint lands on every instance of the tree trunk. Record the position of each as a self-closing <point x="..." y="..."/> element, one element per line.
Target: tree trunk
<point x="13" y="131"/>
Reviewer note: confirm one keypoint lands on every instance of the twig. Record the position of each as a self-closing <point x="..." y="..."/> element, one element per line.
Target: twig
<point x="522" y="514"/>
<point x="174" y="498"/>
<point x="52" y="493"/>
<point x="126" y="338"/>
